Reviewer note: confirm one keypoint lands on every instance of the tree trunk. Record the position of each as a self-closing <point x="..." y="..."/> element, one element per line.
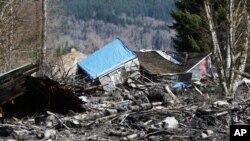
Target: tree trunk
<point x="42" y="51"/>
<point x="236" y="46"/>
<point x="43" y="47"/>
<point x="242" y="60"/>
<point x="11" y="36"/>
<point x="216" y="52"/>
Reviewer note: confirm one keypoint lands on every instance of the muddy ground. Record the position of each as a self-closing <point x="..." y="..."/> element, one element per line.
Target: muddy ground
<point x="147" y="112"/>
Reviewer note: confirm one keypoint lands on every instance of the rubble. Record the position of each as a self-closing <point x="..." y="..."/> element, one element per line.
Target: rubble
<point x="139" y="108"/>
<point x="132" y="113"/>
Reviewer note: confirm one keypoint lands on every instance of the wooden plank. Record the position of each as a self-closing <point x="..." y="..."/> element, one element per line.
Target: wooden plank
<point x="17" y="72"/>
<point x="12" y="83"/>
<point x="13" y="80"/>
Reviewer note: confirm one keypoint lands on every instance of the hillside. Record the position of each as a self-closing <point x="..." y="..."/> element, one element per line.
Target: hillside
<point x="88" y="24"/>
<point x="111" y="11"/>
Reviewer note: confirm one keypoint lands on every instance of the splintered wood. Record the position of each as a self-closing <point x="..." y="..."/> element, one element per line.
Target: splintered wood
<point x="139" y="109"/>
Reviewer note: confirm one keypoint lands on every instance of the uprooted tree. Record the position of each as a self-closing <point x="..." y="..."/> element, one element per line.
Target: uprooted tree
<point x="230" y="51"/>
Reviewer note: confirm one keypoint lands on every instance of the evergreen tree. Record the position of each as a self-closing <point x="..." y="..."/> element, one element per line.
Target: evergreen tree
<point x="110" y="10"/>
<point x="191" y="26"/>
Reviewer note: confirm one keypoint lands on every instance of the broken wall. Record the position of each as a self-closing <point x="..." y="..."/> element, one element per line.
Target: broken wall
<point x="202" y="69"/>
<point x="119" y="75"/>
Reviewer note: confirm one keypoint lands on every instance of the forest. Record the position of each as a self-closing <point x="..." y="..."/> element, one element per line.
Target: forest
<point x="87" y="25"/>
<point x="111" y="11"/>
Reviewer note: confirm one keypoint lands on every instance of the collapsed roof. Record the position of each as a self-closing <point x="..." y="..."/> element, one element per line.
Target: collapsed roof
<point x="155" y="64"/>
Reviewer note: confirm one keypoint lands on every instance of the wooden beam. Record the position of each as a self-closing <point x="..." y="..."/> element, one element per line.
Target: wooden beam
<point x="25" y="69"/>
<point x="12" y="83"/>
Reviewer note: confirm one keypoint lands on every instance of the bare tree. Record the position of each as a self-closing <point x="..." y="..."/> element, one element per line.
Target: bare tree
<point x="235" y="52"/>
<point x="20" y="25"/>
<point x="43" y="31"/>
<point x="6" y="32"/>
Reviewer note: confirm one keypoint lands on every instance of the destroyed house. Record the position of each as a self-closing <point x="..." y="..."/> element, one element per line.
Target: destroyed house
<point x="178" y="66"/>
<point x="110" y="64"/>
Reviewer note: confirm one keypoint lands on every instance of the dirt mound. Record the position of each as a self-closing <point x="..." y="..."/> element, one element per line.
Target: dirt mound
<point x="66" y="65"/>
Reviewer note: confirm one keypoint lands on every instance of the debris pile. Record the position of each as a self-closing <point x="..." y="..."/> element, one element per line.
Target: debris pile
<point x="138" y="110"/>
<point x="122" y="100"/>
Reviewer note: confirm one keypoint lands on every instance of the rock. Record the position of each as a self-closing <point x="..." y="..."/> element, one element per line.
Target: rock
<point x="171" y="122"/>
<point x="210" y="132"/>
<point x="168" y="122"/>
<point x="49" y="133"/>
<point x="75" y="122"/>
<point x="204" y="135"/>
<point x="83" y="98"/>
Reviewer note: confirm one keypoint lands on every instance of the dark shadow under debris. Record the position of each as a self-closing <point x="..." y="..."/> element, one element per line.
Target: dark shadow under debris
<point x="43" y="94"/>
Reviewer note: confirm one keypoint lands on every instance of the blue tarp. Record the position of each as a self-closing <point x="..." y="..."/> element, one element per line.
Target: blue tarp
<point x="106" y="59"/>
<point x="179" y="85"/>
